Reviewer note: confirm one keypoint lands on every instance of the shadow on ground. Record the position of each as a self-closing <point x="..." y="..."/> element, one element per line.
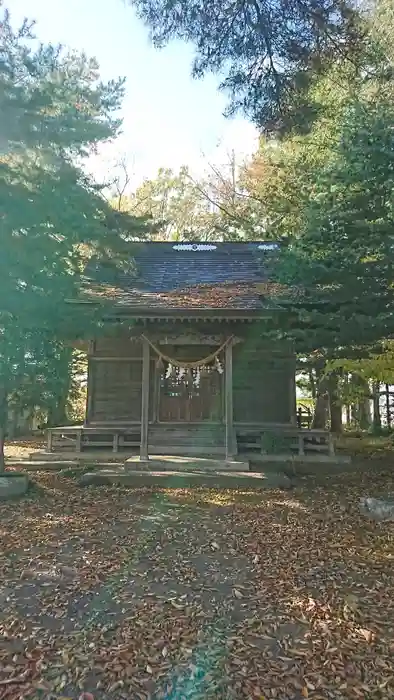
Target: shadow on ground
<point x="196" y="593"/>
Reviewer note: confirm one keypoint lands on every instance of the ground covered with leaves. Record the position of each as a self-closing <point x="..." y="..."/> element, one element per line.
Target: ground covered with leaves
<point x="22" y="447"/>
<point x="195" y="593"/>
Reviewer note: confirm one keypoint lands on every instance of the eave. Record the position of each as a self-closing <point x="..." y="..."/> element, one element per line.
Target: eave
<point x="141" y="313"/>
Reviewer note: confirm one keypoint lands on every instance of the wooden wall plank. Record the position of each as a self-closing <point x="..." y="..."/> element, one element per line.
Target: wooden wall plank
<point x="118" y="347"/>
<point x="263" y="377"/>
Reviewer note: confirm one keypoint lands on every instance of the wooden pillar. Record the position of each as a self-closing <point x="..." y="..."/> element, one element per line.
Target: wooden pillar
<point x="90" y="383"/>
<point x="78" y="441"/>
<point x="228" y="395"/>
<point x="89" y="393"/>
<point x="144" y="455"/>
<point x="115" y="442"/>
<point x="156" y="394"/>
<point x="293" y="396"/>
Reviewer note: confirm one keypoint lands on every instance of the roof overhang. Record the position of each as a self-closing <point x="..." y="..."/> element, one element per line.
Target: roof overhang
<point x="185" y="313"/>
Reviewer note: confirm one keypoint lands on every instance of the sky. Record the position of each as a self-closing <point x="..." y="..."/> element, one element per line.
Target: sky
<point x="169" y="118"/>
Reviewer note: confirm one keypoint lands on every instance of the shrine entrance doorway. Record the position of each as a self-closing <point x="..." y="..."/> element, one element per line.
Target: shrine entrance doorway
<point x="191" y="395"/>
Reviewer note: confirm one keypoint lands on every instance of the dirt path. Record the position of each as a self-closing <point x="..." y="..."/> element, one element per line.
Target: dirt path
<point x="195" y="594"/>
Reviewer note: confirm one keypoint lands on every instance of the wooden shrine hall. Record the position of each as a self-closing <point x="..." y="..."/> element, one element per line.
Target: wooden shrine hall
<point x="186" y="367"/>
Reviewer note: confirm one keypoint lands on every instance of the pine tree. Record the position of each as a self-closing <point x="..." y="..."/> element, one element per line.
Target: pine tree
<point x="343" y="257"/>
<point x="53" y="111"/>
<point x="270" y="53"/>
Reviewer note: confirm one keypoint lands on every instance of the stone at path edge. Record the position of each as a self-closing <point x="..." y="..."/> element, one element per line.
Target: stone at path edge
<point x="13" y="486"/>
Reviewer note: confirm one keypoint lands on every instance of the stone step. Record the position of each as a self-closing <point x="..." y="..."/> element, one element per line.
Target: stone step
<point x="174" y="463"/>
<point x="57" y="460"/>
<point x="188" y="429"/>
<point x="188" y="450"/>
<point x="183" y="440"/>
<point x="62" y="457"/>
<point x="186" y="479"/>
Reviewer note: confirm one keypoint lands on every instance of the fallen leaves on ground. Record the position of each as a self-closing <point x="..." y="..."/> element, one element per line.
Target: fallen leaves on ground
<point x="122" y="593"/>
<point x="22" y="447"/>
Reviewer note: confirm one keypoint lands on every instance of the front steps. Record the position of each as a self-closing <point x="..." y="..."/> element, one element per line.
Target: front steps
<point x="122" y="476"/>
<point x="175" y="463"/>
<point x="190" y="439"/>
<point x="53" y="461"/>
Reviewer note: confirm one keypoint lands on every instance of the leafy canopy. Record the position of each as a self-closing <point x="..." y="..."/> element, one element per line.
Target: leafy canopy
<point x="268" y="53"/>
<point x="53" y="111"/>
<point x="329" y="195"/>
<point x="180" y="207"/>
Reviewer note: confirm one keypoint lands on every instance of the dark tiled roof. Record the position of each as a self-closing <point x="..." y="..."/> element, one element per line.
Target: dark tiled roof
<point x="191" y="276"/>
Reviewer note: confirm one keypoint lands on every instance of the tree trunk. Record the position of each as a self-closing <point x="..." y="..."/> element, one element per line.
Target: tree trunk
<point x="57" y="415"/>
<point x="312" y="384"/>
<point x="388" y="411"/>
<point x="361" y="409"/>
<point x="336" y="425"/>
<point x="335" y="405"/>
<point x="321" y="405"/>
<point x="376" y="420"/>
<point x="3" y="425"/>
<point x="365" y="406"/>
<point x="57" y="412"/>
<point x="347" y="406"/>
<point x="365" y="415"/>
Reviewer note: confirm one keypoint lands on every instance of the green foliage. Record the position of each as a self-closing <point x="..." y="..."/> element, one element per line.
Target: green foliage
<point x="330" y="194"/>
<point x="179" y="207"/>
<point x="281" y="177"/>
<point x="175" y="205"/>
<point x="382" y="29"/>
<point x="53" y="112"/>
<point x="343" y="255"/>
<point x="77" y="394"/>
<point x="269" y="52"/>
<point x="377" y="365"/>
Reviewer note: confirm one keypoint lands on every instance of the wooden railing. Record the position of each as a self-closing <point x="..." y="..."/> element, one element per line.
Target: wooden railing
<point x="304" y="416"/>
<point x="77" y="438"/>
<point x="286" y="440"/>
<point x="279" y="439"/>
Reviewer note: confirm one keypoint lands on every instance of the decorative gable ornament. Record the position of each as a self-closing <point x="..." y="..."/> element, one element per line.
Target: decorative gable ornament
<point x="268" y="246"/>
<point x="194" y="246"/>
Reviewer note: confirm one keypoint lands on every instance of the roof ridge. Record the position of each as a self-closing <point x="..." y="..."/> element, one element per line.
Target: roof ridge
<point x="209" y="243"/>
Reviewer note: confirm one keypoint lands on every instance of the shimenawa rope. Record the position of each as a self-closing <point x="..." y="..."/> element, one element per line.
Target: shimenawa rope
<point x="183" y="363"/>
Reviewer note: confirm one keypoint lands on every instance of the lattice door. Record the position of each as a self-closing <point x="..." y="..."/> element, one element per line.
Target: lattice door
<point x="189" y="398"/>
